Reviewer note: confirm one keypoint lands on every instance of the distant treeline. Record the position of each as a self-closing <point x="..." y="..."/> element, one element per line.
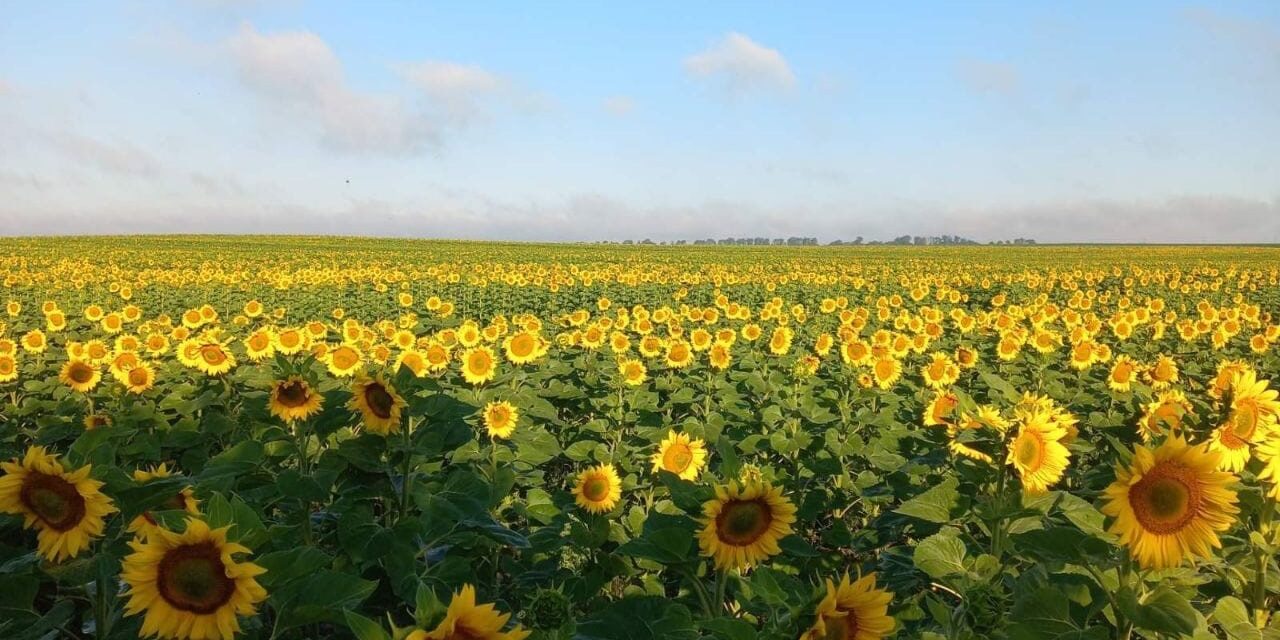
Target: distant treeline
<point x="943" y="240"/>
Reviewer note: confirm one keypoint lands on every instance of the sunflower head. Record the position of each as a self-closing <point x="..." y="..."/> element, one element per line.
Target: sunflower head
<point x="294" y="399"/>
<point x="467" y="620"/>
<point x="500" y="419"/>
<point x="857" y="610"/>
<point x="1170" y="503"/>
<point x="598" y="489"/>
<point x="65" y="507"/>
<point x="681" y="455"/>
<point x="379" y="405"/>
<point x="742" y="524"/>
<point x="189" y="584"/>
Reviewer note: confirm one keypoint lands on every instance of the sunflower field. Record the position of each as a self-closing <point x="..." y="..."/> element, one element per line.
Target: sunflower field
<point x="268" y="437"/>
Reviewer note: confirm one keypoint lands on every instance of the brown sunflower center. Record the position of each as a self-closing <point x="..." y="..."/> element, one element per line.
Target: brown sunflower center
<point x="596" y="488"/>
<point x="379" y="400"/>
<point x="522" y="345"/>
<point x="192" y="578"/>
<point x="1166" y="498"/>
<point x="293" y="394"/>
<point x="54" y="500"/>
<point x="677" y="457"/>
<point x="1244" y="421"/>
<point x="137" y="376"/>
<point x="344" y="358"/>
<point x="1163" y="372"/>
<point x="80" y="373"/>
<point x="1123" y="373"/>
<point x="212" y="354"/>
<point x="498" y="416"/>
<point x="884" y="369"/>
<point x="843" y="628"/>
<point x="1029" y="450"/>
<point x="742" y="522"/>
<point x="478" y="362"/>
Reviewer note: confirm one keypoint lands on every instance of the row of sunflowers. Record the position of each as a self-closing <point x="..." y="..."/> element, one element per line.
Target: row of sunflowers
<point x="209" y="438"/>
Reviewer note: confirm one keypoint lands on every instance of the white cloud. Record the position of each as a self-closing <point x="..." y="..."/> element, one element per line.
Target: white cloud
<point x="989" y="77"/>
<point x="116" y="157"/>
<point x="298" y="71"/>
<point x="741" y="65"/>
<point x="458" y="91"/>
<point x="619" y="105"/>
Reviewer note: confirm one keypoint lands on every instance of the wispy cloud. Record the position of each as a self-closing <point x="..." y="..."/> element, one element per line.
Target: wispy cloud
<point x="983" y="76"/>
<point x="740" y="65"/>
<point x="299" y="72"/>
<point x="457" y="91"/>
<point x="619" y="105"/>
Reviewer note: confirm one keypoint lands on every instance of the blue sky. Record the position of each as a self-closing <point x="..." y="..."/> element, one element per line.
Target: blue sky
<point x="1082" y="121"/>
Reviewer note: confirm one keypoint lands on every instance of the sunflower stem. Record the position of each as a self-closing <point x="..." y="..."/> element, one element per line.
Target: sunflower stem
<point x="101" y="619"/>
<point x="406" y="479"/>
<point x="699" y="589"/>
<point x="722" y="582"/>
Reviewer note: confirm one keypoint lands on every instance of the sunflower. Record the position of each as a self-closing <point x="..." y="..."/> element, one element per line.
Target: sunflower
<point x="852" y="611"/>
<point x="290" y="341"/>
<point x="1165" y="413"/>
<point x="344" y="360"/>
<point x="413" y="360"/>
<point x="633" y="372"/>
<point x="941" y="372"/>
<point x="523" y="347"/>
<point x="213" y="359"/>
<point x="144" y="525"/>
<point x="1163" y="373"/>
<point x="780" y="341"/>
<point x="65" y="507"/>
<point x="293" y="399"/>
<point x="80" y="375"/>
<point x="720" y="357"/>
<point x="139" y="378"/>
<point x="1170" y="504"/>
<point x="940" y="408"/>
<point x="500" y="419"/>
<point x="1123" y="372"/>
<point x="855" y="352"/>
<point x="95" y="420"/>
<point x="379" y="404"/>
<point x="465" y="620"/>
<point x="679" y="355"/>
<point x="1037" y="453"/>
<point x="260" y="345"/>
<point x="189" y="585"/>
<point x="743" y="524"/>
<point x="886" y="371"/>
<point x="479" y="365"/>
<point x="681" y="455"/>
<point x="8" y="368"/>
<point x="598" y="489"/>
<point x="34" y="341"/>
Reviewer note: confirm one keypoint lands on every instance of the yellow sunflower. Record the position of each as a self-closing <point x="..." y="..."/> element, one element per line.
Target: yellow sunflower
<point x="1269" y="453"/>
<point x="213" y="359"/>
<point x="598" y="489"/>
<point x="633" y="372"/>
<point x="80" y="375"/>
<point x="140" y="378"/>
<point x="852" y="611"/>
<point x="189" y="585"/>
<point x="379" y="405"/>
<point x="65" y="507"/>
<point x="500" y="419"/>
<point x="1123" y="372"/>
<point x="523" y="347"/>
<point x="344" y="360"/>
<point x="294" y="399"/>
<point x="479" y="365"/>
<point x="681" y="455"/>
<point x="465" y="620"/>
<point x="8" y="368"/>
<point x="1170" y="504"/>
<point x="886" y="371"/>
<point x="940" y="408"/>
<point x="743" y="524"/>
<point x="1037" y="453"/>
<point x="1163" y="373"/>
<point x="144" y="525"/>
<point x="1164" y="414"/>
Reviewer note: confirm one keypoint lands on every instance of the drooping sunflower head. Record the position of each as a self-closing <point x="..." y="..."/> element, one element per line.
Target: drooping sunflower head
<point x="500" y="419"/>
<point x="294" y="399"/>
<point x="466" y="620"/>
<point x="65" y="507"/>
<point x="379" y="404"/>
<point x="1037" y="453"/>
<point x="856" y="610"/>
<point x="189" y="584"/>
<point x="598" y="489"/>
<point x="1170" y="503"/>
<point x="743" y="524"/>
<point x="681" y="455"/>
